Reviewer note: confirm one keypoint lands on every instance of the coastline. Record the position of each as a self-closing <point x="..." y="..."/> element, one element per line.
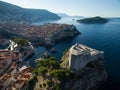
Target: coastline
<point x="46" y="34"/>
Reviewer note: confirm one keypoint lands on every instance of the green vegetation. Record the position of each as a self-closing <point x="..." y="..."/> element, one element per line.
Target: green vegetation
<point x="65" y="51"/>
<point x="42" y="70"/>
<point x="65" y="59"/>
<point x="30" y="83"/>
<point x="50" y="63"/>
<point x="60" y="74"/>
<point x="20" y="41"/>
<point x="52" y="74"/>
<point x="48" y="82"/>
<point x="93" y="20"/>
<point x="56" y="87"/>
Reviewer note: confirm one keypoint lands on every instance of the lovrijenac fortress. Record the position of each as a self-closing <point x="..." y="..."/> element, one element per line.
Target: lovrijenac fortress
<point x="87" y="65"/>
<point x="80" y="55"/>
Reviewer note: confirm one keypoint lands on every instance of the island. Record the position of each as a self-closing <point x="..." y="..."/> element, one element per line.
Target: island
<point x="93" y="20"/>
<point x="46" y="34"/>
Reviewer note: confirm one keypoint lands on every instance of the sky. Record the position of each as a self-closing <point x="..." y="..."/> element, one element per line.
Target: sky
<point x="105" y="8"/>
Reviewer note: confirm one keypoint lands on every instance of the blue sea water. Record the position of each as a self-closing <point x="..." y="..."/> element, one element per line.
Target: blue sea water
<point x="105" y="37"/>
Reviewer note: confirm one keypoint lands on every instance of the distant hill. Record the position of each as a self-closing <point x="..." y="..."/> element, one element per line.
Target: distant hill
<point x="81" y="17"/>
<point x="9" y="12"/>
<point x="93" y="20"/>
<point x="62" y="15"/>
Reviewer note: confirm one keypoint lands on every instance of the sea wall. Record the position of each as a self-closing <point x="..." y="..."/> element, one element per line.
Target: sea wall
<point x="50" y="39"/>
<point x="65" y="33"/>
<point x="80" y="61"/>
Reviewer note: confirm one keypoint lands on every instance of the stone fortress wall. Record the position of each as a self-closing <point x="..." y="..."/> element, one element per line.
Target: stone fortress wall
<point x="80" y="55"/>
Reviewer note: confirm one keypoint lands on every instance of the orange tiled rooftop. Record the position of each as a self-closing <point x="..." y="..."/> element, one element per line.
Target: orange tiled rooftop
<point x="33" y="30"/>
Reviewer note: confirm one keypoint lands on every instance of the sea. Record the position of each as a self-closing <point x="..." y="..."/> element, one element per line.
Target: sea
<point x="103" y="37"/>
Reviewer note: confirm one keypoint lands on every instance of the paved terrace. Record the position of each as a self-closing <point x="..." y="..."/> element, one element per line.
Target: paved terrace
<point x="78" y="49"/>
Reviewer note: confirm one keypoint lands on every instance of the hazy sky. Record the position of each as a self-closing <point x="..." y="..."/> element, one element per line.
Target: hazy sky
<point x="106" y="8"/>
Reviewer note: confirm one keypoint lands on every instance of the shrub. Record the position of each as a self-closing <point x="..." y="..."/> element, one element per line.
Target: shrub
<point x="56" y="87"/>
<point x="65" y="52"/>
<point x="48" y="82"/>
<point x="21" y="41"/>
<point x="42" y="70"/>
<point x="35" y="72"/>
<point x="50" y="63"/>
<point x="60" y="74"/>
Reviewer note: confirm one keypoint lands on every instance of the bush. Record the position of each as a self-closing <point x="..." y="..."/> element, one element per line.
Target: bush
<point x="41" y="63"/>
<point x="65" y="51"/>
<point x="50" y="63"/>
<point x="60" y="74"/>
<point x="48" y="82"/>
<point x="35" y="72"/>
<point x="21" y="41"/>
<point x="56" y="87"/>
<point x="42" y="70"/>
<point x="30" y="83"/>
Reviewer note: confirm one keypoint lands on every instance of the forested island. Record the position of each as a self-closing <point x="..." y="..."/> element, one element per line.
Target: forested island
<point x="93" y="20"/>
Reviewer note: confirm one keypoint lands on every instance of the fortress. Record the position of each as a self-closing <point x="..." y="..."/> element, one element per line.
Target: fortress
<point x="80" y="55"/>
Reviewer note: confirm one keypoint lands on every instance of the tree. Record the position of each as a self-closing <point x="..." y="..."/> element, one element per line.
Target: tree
<point x="60" y="74"/>
<point x="42" y="70"/>
<point x="50" y="63"/>
<point x="20" y="41"/>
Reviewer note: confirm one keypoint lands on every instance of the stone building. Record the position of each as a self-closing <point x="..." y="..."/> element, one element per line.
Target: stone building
<point x="80" y="55"/>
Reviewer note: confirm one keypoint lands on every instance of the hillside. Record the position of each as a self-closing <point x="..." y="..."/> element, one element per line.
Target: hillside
<point x="9" y="12"/>
<point x="93" y="20"/>
<point x="62" y="15"/>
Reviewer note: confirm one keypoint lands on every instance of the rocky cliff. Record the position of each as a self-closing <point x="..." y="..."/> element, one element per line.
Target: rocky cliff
<point x="43" y="34"/>
<point x="90" y="76"/>
<point x="70" y="31"/>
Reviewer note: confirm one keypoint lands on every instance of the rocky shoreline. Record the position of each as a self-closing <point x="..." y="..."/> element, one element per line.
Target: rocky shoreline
<point x="43" y="34"/>
<point x="65" y="33"/>
<point x="87" y="65"/>
<point x="93" y="20"/>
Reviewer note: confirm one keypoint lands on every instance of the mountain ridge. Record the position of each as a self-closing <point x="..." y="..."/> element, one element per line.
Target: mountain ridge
<point x="10" y="12"/>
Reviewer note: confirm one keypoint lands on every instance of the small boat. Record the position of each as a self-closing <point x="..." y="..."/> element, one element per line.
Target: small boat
<point x="73" y="19"/>
<point x="53" y="50"/>
<point x="46" y="54"/>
